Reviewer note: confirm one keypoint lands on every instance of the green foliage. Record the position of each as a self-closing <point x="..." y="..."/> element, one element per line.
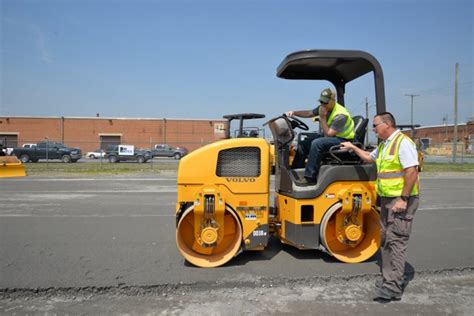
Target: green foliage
<point x="105" y="168"/>
<point x="448" y="167"/>
<point x="155" y="168"/>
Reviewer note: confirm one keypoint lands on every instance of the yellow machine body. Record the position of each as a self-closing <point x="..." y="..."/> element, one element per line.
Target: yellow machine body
<point x="223" y="208"/>
<point x="223" y="200"/>
<point x="344" y="218"/>
<point x="223" y="204"/>
<point x="11" y="167"/>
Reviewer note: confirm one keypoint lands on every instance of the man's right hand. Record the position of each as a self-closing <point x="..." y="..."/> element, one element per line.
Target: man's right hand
<point x="347" y="145"/>
<point x="290" y="113"/>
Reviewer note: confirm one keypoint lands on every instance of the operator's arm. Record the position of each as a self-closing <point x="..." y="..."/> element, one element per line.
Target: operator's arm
<point x="308" y="113"/>
<point x="365" y="155"/>
<point x="328" y="131"/>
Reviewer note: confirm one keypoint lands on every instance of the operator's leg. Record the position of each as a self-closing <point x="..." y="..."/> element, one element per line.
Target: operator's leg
<point x="398" y="232"/>
<point x="318" y="147"/>
<point x="302" y="151"/>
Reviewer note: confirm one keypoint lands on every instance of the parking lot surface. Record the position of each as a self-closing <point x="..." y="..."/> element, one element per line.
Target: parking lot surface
<point x="85" y="242"/>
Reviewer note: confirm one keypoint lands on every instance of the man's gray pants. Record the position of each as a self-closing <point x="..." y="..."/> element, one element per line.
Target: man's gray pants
<point x="395" y="230"/>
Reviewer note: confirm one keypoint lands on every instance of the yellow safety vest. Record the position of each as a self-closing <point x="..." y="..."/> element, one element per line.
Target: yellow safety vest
<point x="390" y="173"/>
<point x="348" y="131"/>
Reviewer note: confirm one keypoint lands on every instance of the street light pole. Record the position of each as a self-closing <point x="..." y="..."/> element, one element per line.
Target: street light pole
<point x="455" y="131"/>
<point x="412" y="96"/>
<point x="445" y="120"/>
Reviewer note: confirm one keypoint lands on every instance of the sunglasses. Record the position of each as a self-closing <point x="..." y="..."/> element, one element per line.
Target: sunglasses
<point x="324" y="103"/>
<point x="375" y="125"/>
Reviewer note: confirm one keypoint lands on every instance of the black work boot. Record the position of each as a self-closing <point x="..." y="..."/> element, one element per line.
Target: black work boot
<point x="305" y="182"/>
<point x="384" y="295"/>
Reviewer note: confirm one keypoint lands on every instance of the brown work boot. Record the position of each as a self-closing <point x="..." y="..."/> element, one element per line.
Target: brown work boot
<point x="379" y="284"/>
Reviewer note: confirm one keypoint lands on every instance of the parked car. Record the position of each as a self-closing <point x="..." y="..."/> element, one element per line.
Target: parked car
<point x="117" y="153"/>
<point x="96" y="154"/>
<point x="164" y="150"/>
<point x="47" y="150"/>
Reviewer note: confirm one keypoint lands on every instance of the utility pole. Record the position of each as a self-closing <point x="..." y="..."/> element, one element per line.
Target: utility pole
<point x="412" y="96"/>
<point x="455" y="132"/>
<point x="445" y="121"/>
<point x="367" y="116"/>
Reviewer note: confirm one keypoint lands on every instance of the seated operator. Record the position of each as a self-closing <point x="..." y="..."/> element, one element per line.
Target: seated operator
<point x="336" y="124"/>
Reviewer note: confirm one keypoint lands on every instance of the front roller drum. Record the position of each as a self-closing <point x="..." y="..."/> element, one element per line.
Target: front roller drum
<point x="360" y="243"/>
<point x="216" y="247"/>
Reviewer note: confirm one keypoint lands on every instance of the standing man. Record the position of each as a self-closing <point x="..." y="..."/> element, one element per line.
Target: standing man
<point x="397" y="186"/>
<point x="337" y="126"/>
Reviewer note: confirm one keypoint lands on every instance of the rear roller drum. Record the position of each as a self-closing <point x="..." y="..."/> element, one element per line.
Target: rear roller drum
<point x="359" y="242"/>
<point x="216" y="245"/>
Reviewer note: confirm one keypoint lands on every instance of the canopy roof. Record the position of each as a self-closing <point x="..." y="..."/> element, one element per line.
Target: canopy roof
<point x="337" y="66"/>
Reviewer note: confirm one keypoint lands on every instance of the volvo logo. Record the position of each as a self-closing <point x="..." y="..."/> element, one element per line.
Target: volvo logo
<point x="241" y="179"/>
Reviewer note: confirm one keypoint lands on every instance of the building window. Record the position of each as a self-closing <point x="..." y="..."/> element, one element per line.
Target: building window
<point x="9" y="140"/>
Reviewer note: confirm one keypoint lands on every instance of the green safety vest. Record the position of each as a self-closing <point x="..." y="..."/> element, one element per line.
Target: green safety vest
<point x="390" y="173"/>
<point x="348" y="131"/>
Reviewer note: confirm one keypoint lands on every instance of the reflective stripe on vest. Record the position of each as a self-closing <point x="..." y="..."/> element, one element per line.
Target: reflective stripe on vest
<point x="390" y="176"/>
<point x="348" y="131"/>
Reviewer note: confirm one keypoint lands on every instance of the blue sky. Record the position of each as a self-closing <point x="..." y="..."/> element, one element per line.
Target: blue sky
<point x="205" y="59"/>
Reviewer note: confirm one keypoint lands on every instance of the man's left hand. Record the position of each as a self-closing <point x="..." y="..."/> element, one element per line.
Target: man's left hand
<point x="399" y="206"/>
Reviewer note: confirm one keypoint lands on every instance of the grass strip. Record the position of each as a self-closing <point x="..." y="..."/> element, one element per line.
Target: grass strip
<point x="448" y="167"/>
<point x="155" y="168"/>
<point x="105" y="168"/>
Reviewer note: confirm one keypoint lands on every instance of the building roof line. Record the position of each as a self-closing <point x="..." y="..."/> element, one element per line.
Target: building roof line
<point x="112" y="118"/>
<point x="443" y="125"/>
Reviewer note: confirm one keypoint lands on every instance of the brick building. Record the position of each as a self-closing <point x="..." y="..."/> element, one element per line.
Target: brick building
<point x="98" y="132"/>
<point x="441" y="134"/>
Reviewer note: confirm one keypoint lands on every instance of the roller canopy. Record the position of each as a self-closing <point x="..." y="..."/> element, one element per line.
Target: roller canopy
<point x="337" y="66"/>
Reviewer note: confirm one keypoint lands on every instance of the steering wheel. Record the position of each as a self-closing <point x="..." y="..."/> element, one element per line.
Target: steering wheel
<point x="298" y="123"/>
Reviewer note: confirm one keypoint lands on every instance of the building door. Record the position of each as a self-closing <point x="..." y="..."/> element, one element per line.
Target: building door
<point x="107" y="141"/>
<point x="8" y="140"/>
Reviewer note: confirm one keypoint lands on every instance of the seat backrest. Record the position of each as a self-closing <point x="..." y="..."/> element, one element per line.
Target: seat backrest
<point x="360" y="128"/>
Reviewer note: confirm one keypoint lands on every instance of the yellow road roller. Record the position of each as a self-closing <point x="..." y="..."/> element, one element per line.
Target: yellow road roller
<point x="224" y="202"/>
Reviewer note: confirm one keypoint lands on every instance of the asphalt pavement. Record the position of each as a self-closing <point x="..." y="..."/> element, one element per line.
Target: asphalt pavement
<point x="72" y="244"/>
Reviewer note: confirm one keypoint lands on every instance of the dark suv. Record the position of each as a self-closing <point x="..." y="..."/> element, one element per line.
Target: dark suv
<point x="163" y="150"/>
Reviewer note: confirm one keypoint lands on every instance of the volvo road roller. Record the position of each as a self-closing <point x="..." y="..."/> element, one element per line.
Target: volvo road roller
<point x="223" y="203"/>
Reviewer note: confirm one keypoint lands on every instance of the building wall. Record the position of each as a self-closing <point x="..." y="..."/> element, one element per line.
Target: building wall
<point x="143" y="133"/>
<point x="444" y="133"/>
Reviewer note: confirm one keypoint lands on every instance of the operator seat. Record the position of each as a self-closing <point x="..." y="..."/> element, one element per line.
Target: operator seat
<point x="360" y="128"/>
<point x="345" y="157"/>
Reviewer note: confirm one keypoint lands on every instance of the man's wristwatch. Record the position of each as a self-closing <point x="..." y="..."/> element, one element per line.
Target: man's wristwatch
<point x="404" y="197"/>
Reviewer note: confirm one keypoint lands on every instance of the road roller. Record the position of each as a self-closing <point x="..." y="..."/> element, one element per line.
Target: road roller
<point x="224" y="201"/>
